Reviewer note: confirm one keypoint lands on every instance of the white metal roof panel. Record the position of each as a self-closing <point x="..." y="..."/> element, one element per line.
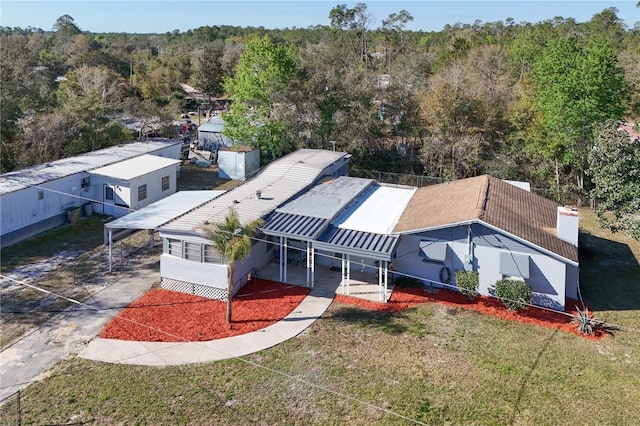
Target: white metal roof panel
<point x="377" y="210"/>
<point x="327" y="199"/>
<point x="278" y="182"/>
<point x="37" y="175"/>
<point x="162" y="211"/>
<point x="292" y="225"/>
<point x="135" y="167"/>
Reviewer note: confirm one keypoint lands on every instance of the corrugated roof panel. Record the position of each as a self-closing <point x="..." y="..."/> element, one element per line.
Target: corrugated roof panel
<point x="278" y="182"/>
<point x="365" y="244"/>
<point x="37" y="175"/>
<point x="284" y="224"/>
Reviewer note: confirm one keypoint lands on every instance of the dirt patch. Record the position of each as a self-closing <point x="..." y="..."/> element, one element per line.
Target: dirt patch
<point x="168" y="316"/>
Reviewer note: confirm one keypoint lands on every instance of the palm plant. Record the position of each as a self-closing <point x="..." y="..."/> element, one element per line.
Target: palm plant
<point x="232" y="241"/>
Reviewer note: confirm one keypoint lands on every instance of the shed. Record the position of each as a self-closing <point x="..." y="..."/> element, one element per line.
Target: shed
<point x="238" y="163"/>
<point x="210" y="137"/>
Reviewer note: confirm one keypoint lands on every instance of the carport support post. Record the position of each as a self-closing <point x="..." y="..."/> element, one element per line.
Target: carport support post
<point x="386" y="279"/>
<point x="281" y="249"/>
<point x="380" y="279"/>
<point x="150" y="232"/>
<point x="343" y="274"/>
<point x="308" y="262"/>
<point x="284" y="259"/>
<point x="313" y="267"/>
<point x="348" y="273"/>
<point x="110" y="249"/>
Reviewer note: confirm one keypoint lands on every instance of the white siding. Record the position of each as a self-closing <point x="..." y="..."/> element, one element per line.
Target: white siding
<point x="208" y="274"/>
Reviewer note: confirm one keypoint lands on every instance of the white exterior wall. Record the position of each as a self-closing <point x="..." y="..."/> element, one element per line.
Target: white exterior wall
<point x="154" y="186"/>
<point x="122" y="196"/>
<point x="23" y="215"/>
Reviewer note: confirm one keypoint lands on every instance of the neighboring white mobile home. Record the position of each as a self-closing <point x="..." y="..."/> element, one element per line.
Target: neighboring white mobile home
<point x="36" y="199"/>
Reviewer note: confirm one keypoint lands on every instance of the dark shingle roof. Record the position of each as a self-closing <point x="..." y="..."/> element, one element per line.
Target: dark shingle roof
<point x="490" y="200"/>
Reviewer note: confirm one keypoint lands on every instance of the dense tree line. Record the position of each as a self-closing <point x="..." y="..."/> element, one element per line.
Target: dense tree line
<point x="520" y="101"/>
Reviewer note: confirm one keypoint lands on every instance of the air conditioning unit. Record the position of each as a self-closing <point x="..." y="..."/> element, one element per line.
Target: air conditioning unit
<point x="86" y="182"/>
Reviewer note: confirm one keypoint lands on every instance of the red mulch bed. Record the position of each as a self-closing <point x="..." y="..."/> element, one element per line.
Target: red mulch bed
<point x="403" y="298"/>
<point x="168" y="316"/>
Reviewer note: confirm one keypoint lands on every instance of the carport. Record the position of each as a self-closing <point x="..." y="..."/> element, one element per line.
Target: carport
<point x="154" y="215"/>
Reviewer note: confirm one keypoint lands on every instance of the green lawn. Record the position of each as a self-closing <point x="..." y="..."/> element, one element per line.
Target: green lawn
<point x="432" y="364"/>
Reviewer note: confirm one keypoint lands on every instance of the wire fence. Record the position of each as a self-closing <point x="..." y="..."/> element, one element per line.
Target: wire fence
<point x="562" y="196"/>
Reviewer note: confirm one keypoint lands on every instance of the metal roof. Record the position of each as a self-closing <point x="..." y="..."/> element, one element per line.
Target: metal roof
<point x="364" y="212"/>
<point x="327" y="199"/>
<point x="377" y="210"/>
<point x="135" y="167"/>
<point x="365" y="244"/>
<point x="37" y="175"/>
<point x="162" y="211"/>
<point x="277" y="183"/>
<point x="295" y="226"/>
<point x="215" y="125"/>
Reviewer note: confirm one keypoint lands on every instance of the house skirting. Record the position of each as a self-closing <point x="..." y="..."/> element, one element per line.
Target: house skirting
<point x="32" y="230"/>
<point x="195" y="289"/>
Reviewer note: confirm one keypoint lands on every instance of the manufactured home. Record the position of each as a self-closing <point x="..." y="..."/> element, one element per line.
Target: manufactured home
<point x="36" y="199"/>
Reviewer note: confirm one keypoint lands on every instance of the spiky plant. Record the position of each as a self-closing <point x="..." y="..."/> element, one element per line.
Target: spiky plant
<point x="586" y="322"/>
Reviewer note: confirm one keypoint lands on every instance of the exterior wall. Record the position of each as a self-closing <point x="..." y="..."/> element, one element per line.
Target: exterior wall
<point x="121" y="204"/>
<point x="24" y="215"/>
<point x="572" y="281"/>
<point x="172" y="151"/>
<point x="154" y="186"/>
<point x="238" y="164"/>
<point x="547" y="275"/>
<point x="207" y="274"/>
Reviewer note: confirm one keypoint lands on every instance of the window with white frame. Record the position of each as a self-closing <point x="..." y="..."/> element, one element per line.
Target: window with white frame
<point x="174" y="247"/>
<point x="142" y="192"/>
<point x="165" y="183"/>
<point x="211" y="255"/>
<point x="193" y="251"/>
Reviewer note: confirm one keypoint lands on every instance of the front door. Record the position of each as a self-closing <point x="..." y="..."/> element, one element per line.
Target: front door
<point x="108" y="199"/>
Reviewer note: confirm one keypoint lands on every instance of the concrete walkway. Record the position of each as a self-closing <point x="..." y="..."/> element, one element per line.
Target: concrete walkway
<point x="30" y="357"/>
<point x="163" y="353"/>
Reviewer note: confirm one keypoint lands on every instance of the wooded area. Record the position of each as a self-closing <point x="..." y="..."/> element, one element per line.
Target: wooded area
<point x="522" y="101"/>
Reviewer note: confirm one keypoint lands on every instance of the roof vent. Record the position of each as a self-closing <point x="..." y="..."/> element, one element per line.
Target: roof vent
<point x="258" y="194"/>
<point x="236" y="202"/>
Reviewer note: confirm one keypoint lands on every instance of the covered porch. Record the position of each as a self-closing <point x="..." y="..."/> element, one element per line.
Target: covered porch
<point x="361" y="284"/>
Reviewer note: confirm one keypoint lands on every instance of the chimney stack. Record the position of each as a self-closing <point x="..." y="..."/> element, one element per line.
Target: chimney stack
<point x="567" y="224"/>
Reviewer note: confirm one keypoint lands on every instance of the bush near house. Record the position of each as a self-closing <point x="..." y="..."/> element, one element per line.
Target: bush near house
<point x="513" y="293"/>
<point x="467" y="283"/>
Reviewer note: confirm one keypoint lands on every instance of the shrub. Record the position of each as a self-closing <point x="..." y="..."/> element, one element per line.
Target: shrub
<point x="514" y="294"/>
<point x="468" y="282"/>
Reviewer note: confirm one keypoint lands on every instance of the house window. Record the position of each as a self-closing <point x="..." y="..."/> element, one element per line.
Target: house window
<point x="514" y="265"/>
<point x="108" y="193"/>
<point x="174" y="247"/>
<point x="211" y="255"/>
<point x="40" y="195"/>
<point x="142" y="192"/>
<point x="165" y="183"/>
<point x="433" y="251"/>
<point x="193" y="251"/>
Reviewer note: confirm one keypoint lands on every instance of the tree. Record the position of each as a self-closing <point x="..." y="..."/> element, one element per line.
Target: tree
<point x="577" y="88"/>
<point x="614" y="166"/>
<point x="232" y="240"/>
<point x="264" y="70"/>
<point x="207" y="76"/>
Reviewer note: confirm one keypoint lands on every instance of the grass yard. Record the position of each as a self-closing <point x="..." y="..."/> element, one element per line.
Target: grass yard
<point x="431" y="364"/>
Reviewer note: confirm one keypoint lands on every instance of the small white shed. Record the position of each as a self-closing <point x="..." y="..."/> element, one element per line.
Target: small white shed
<point x="238" y="163"/>
<point x="129" y="185"/>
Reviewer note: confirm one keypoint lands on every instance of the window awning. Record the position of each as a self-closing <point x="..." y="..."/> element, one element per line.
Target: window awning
<point x="435" y="251"/>
<point x="514" y="264"/>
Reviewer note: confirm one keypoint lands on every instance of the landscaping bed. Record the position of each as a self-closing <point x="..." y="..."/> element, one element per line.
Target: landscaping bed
<point x="403" y="298"/>
<point x="168" y="316"/>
